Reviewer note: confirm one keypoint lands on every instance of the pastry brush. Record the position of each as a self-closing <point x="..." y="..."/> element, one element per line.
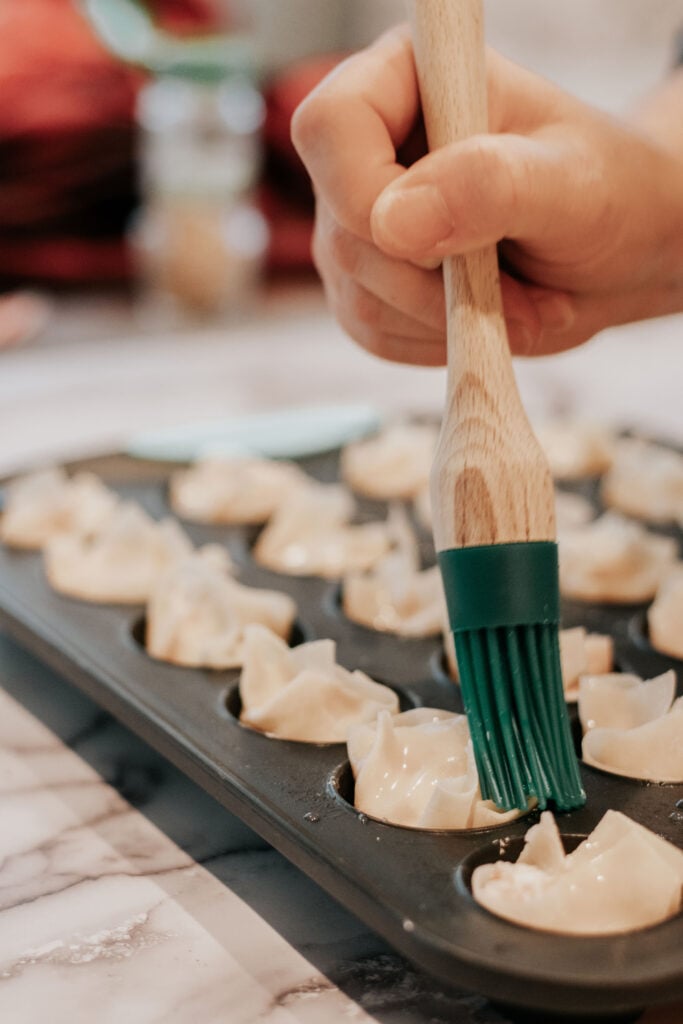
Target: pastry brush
<point x="492" y="491"/>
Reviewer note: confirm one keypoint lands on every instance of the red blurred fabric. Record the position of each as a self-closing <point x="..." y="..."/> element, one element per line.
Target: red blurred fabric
<point x="67" y="182"/>
<point x="287" y="197"/>
<point x="67" y="140"/>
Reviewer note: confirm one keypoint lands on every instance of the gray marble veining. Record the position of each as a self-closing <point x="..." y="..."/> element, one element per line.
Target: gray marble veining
<point x="127" y="894"/>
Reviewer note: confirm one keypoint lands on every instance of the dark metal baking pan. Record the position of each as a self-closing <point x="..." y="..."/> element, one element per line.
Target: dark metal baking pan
<point x="409" y="886"/>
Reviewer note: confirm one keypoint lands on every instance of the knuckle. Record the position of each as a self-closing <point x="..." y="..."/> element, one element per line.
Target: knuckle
<point x="351" y="326"/>
<point x="312" y="121"/>
<point x="344" y="248"/>
<point x="377" y="344"/>
<point x="376" y="341"/>
<point x="364" y="307"/>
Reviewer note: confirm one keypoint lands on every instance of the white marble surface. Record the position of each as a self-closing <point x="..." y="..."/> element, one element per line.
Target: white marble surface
<point x="125" y="893"/>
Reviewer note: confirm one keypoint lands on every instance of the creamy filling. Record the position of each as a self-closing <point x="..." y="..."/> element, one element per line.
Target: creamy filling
<point x="417" y="769"/>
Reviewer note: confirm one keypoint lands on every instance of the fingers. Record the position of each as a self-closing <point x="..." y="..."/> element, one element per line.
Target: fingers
<point x="349" y="128"/>
<point x="479" y="191"/>
<point x="380" y="329"/>
<point x="568" y="320"/>
<point x="534" y="329"/>
<point x="381" y="229"/>
<point x="414" y="292"/>
<point x="395" y="311"/>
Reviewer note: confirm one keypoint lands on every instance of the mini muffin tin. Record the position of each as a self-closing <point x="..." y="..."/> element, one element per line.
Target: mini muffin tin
<point x="410" y="886"/>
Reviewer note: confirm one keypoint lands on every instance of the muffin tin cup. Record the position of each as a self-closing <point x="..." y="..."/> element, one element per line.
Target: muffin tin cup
<point x="408" y="885"/>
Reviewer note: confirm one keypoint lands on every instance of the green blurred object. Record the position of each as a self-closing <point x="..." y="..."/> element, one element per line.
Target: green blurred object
<point x="127" y="29"/>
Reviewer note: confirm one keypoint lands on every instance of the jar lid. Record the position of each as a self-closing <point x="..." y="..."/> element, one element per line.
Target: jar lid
<point x="127" y="29"/>
<point x="207" y="60"/>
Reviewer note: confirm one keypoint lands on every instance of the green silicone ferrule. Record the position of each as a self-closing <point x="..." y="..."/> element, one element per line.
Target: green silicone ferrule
<point x="501" y="585"/>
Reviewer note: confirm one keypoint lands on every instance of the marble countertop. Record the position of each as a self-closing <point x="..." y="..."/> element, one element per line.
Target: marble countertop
<point x="127" y="894"/>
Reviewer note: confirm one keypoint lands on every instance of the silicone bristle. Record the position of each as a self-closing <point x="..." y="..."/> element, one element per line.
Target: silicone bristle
<point x="512" y="688"/>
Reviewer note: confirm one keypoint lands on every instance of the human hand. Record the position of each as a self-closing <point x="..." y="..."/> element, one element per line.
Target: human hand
<point x="587" y="210"/>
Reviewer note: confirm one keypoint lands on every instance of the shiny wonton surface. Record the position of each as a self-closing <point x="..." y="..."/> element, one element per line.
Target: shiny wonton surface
<point x="302" y="693"/>
<point x="622" y="878"/>
<point x="394" y="464"/>
<point x="310" y="535"/>
<point x="665" y="616"/>
<point x="41" y="505"/>
<point x="417" y="769"/>
<point x="583" y="653"/>
<point x="197" y="613"/>
<point x="233" y="490"/>
<point x="613" y="560"/>
<point x="121" y="562"/>
<point x="620" y="700"/>
<point x="396" y="596"/>
<point x="575" y="449"/>
<point x="571" y="510"/>
<point x="392" y="601"/>
<point x="632" y="727"/>
<point x="645" y="481"/>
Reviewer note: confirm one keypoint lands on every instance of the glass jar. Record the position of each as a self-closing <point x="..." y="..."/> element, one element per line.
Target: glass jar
<point x="200" y="238"/>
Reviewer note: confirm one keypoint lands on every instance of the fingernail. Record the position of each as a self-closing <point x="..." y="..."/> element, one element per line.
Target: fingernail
<point x="411" y="219"/>
<point x="428" y="263"/>
<point x="522" y="339"/>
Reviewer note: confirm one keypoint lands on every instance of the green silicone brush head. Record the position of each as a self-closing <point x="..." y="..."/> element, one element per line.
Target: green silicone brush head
<point x="503" y="605"/>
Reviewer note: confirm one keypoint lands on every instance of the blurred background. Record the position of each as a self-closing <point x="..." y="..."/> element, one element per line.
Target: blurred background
<point x="151" y="203"/>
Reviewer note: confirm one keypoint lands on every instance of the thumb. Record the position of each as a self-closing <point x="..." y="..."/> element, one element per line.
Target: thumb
<point x="474" y="193"/>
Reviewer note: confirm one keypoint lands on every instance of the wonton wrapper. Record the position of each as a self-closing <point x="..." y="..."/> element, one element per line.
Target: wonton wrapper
<point x="620" y="700"/>
<point x="631" y="727"/>
<point x="121" y="562"/>
<point x="622" y="878"/>
<point x="197" y="613"/>
<point x="665" y="616"/>
<point x="310" y="535"/>
<point x="575" y="449"/>
<point x="646" y="481"/>
<point x="396" y="596"/>
<point x="571" y="510"/>
<point x="417" y="769"/>
<point x="613" y="560"/>
<point x="303" y="694"/>
<point x="394" y="464"/>
<point x="233" y="490"/>
<point x="43" y="504"/>
<point x="583" y="653"/>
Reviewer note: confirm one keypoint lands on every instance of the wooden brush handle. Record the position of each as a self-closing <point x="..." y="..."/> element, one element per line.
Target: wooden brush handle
<point x="490" y="483"/>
